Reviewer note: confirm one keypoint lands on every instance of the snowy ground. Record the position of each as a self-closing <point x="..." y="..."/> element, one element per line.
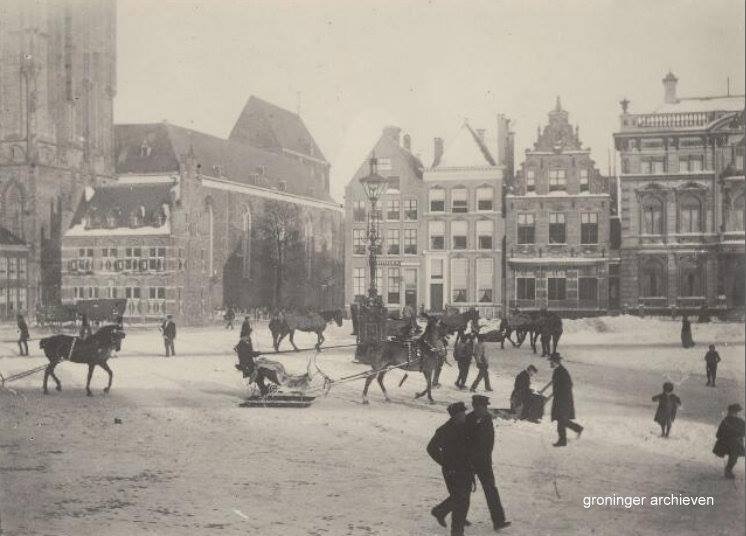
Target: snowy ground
<point x="187" y="460"/>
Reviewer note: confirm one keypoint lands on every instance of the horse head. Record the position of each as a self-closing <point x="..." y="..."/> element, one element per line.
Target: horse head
<point x="110" y="336"/>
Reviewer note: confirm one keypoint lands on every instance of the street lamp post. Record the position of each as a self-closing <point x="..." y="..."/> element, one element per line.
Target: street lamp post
<point x="374" y="185"/>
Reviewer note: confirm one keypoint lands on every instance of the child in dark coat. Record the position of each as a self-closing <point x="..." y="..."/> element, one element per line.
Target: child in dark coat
<point x="730" y="439"/>
<point x="668" y="403"/>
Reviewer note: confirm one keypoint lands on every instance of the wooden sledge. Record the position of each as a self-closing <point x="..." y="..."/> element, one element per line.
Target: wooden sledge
<point x="278" y="400"/>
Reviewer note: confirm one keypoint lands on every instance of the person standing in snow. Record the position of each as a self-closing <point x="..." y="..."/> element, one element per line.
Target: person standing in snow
<point x="463" y="349"/>
<point x="23" y="335"/>
<point x="168" y="327"/>
<point x="245" y="328"/>
<point x="480" y="359"/>
<point x="563" y="406"/>
<point x="730" y="436"/>
<point x="686" y="333"/>
<point x="712" y="358"/>
<point x="668" y="404"/>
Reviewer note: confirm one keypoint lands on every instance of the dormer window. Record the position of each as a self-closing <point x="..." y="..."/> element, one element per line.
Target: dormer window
<point x="530" y="180"/>
<point x="145" y="149"/>
<point x="584" y="186"/>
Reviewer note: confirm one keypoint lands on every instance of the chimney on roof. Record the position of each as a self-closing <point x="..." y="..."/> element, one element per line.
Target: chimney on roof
<point x="480" y="134"/>
<point x="669" y="89"/>
<point x="437" y="150"/>
<point x="408" y="142"/>
<point x="392" y="132"/>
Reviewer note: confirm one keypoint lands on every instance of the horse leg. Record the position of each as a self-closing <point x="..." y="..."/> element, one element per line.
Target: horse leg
<point x="88" y="392"/>
<point x="55" y="378"/>
<point x="319" y="340"/>
<point x="105" y="366"/>
<point x="428" y="380"/>
<point x="380" y="382"/>
<point x="368" y="381"/>
<point x="49" y="371"/>
<point x="290" y="338"/>
<point x="555" y="341"/>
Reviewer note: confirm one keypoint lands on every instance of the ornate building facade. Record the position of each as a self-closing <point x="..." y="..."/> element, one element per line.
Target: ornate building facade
<point x="682" y="202"/>
<point x="559" y="252"/>
<point x="57" y="84"/>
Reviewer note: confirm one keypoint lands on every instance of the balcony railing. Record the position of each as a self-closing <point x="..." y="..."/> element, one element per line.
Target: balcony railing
<point x="671" y="120"/>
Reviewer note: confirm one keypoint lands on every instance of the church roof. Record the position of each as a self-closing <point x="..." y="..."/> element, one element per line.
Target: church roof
<point x="466" y="149"/>
<point x="270" y="127"/>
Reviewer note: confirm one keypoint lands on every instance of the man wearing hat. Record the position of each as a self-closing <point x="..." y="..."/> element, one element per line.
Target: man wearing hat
<point x="448" y="449"/>
<point x="563" y="407"/>
<point x="730" y="436"/>
<point x="168" y="328"/>
<point x="480" y="438"/>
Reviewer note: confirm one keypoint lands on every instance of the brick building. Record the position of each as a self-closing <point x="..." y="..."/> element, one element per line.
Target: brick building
<point x="558" y="248"/>
<point x="57" y="83"/>
<point x="682" y="202"/>
<point x="192" y="221"/>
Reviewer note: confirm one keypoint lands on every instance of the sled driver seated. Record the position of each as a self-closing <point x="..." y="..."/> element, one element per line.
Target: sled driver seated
<point x="246" y="354"/>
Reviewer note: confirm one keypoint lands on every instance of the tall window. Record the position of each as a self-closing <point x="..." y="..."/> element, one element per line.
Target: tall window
<point x="652" y="279"/>
<point x="691" y="163"/>
<point x="589" y="228"/>
<point x="392" y="242"/>
<point x="588" y="288"/>
<point x="458" y="280"/>
<point x="525" y="288"/>
<point x="394" y="287"/>
<point x="556" y="287"/>
<point x="485" y="195"/>
<point x="556" y="179"/>
<point x="358" y="242"/>
<point x="436" y="268"/>
<point x="690" y="211"/>
<point x="484" y="280"/>
<point x="246" y="243"/>
<point x="459" y="202"/>
<point x="358" y="282"/>
<point x="437" y="200"/>
<point x="736" y="215"/>
<point x="393" y="210"/>
<point x="12" y="204"/>
<point x="459" y="230"/>
<point x="691" y="278"/>
<point x="410" y="241"/>
<point x="157" y="259"/>
<point x="526" y="228"/>
<point x="530" y="180"/>
<point x="556" y="228"/>
<point x="484" y="234"/>
<point x="584" y="185"/>
<point x="359" y="211"/>
<point x="437" y="235"/>
<point x="652" y="216"/>
<point x="652" y="166"/>
<point x="410" y="209"/>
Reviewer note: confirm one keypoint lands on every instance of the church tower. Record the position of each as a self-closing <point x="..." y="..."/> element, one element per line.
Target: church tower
<point x="57" y="84"/>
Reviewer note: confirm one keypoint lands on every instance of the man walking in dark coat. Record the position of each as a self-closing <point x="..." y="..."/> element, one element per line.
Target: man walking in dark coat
<point x="480" y="438"/>
<point x="712" y="358"/>
<point x="245" y="328"/>
<point x="169" y="334"/>
<point x="230" y="316"/>
<point x="23" y="335"/>
<point x="480" y="359"/>
<point x="463" y="350"/>
<point x="563" y="407"/>
<point x="730" y="436"/>
<point x="448" y="449"/>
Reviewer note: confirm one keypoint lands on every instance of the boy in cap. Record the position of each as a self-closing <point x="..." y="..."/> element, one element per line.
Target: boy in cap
<point x="480" y="438"/>
<point x="730" y="436"/>
<point x="448" y="448"/>
<point x="563" y="406"/>
<point x="712" y="358"/>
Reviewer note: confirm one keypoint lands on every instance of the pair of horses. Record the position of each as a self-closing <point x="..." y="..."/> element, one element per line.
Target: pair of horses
<point x="543" y="326"/>
<point x="284" y="324"/>
<point x="93" y="351"/>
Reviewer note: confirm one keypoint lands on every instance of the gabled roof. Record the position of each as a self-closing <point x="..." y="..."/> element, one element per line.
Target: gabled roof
<point x="558" y="135"/>
<point x="270" y="127"/>
<point x="465" y="150"/>
<point x="9" y="239"/>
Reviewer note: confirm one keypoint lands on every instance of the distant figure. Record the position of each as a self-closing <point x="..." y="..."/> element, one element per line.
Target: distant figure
<point x="85" y="327"/>
<point x="523" y="401"/>
<point x="245" y="328"/>
<point x="730" y="436"/>
<point x="168" y="327"/>
<point x="704" y="315"/>
<point x="463" y="349"/>
<point x="686" y="333"/>
<point x="480" y="359"/>
<point x="229" y="317"/>
<point x="668" y="403"/>
<point x="409" y="313"/>
<point x="712" y="358"/>
<point x="449" y="450"/>
<point x="23" y="335"/>
<point x="505" y="331"/>
<point x="563" y="406"/>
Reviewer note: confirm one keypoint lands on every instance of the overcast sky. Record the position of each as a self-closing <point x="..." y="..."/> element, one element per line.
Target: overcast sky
<point x="355" y="66"/>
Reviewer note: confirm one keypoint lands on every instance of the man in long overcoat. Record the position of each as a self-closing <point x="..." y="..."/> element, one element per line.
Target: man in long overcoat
<point x="245" y="328"/>
<point x="730" y="436"/>
<point x="449" y="450"/>
<point x="168" y="328"/>
<point x="563" y="407"/>
<point x="480" y="438"/>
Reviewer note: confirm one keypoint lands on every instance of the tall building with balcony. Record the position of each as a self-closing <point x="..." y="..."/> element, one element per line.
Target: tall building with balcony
<point x="400" y="270"/>
<point x="559" y="253"/>
<point x="682" y="202"/>
<point x="463" y="222"/>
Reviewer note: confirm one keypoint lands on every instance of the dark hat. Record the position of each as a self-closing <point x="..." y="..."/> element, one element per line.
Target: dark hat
<point x="667" y="387"/>
<point x="555" y="357"/>
<point x="734" y="408"/>
<point x="480" y="400"/>
<point x="455" y="408"/>
<point x="532" y="368"/>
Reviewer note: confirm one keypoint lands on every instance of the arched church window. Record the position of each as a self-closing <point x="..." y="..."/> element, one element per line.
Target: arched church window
<point x="652" y="278"/>
<point x="690" y="215"/>
<point x="13" y="204"/>
<point x="652" y="216"/>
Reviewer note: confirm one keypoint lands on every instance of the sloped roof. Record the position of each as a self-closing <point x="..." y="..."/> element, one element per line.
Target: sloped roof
<point x="465" y="150"/>
<point x="9" y="239"/>
<point x="268" y="126"/>
<point x="216" y="156"/>
<point x="729" y="103"/>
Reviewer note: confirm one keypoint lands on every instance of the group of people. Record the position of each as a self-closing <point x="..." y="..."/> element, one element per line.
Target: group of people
<point x="468" y="347"/>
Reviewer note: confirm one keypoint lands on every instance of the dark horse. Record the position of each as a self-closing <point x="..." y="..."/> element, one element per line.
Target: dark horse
<point x="92" y="351"/>
<point x="422" y="354"/>
<point x="550" y="333"/>
<point x="283" y="324"/>
<point x="452" y="320"/>
<point x="523" y="324"/>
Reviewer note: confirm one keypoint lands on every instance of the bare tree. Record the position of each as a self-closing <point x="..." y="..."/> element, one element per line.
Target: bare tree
<point x="279" y="227"/>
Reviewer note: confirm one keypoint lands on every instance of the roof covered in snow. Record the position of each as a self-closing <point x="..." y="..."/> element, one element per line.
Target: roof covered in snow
<point x="728" y="103"/>
<point x="466" y="149"/>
